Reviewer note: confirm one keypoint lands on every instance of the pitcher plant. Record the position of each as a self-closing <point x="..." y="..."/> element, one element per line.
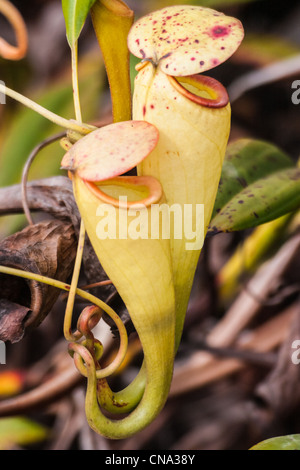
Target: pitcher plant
<point x="176" y="139"/>
<point x="191" y="111"/>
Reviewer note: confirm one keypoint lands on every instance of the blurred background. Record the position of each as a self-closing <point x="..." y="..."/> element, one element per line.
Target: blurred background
<point x="241" y="394"/>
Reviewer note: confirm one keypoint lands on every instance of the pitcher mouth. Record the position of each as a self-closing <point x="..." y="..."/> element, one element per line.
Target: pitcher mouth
<point x="200" y="85"/>
<point x="150" y="185"/>
<point x="216" y="93"/>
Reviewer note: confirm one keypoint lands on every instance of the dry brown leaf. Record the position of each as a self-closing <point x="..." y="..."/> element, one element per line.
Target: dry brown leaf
<point x="47" y="248"/>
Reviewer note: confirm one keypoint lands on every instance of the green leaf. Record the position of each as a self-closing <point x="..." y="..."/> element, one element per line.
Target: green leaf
<point x="247" y="161"/>
<point x="291" y="442"/>
<point x="264" y="200"/>
<point x="20" y="431"/>
<point x="75" y="13"/>
<point x="26" y="129"/>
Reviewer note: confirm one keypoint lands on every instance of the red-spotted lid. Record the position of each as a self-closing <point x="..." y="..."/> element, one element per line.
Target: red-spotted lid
<point x="185" y="40"/>
<point x="111" y="150"/>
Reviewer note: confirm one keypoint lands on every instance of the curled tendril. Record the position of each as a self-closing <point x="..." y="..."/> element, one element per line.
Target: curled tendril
<point x="98" y="391"/>
<point x="26" y="169"/>
<point x="88" y="319"/>
<point x="120" y="402"/>
<point x="7" y="51"/>
<point x="80" y="351"/>
<point x="90" y="298"/>
<point x="96" y="352"/>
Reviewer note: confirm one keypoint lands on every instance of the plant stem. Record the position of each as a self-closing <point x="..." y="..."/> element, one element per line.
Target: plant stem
<point x="26" y="169"/>
<point x="76" y="272"/>
<point x="76" y="99"/>
<point x="60" y="121"/>
<point x="72" y="292"/>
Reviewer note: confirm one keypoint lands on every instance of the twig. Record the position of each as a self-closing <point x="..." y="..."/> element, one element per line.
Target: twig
<point x="277" y="299"/>
<point x="51" y="195"/>
<point x="250" y="357"/>
<point x="246" y="306"/>
<point x="46" y="393"/>
<point x="268" y="74"/>
<point x="263" y="339"/>
<point x="66" y="426"/>
<point x="96" y="284"/>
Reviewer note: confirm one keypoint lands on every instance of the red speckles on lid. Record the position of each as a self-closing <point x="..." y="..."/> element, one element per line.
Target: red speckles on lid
<point x="123" y="146"/>
<point x="193" y="58"/>
<point x="144" y="110"/>
<point x="220" y="31"/>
